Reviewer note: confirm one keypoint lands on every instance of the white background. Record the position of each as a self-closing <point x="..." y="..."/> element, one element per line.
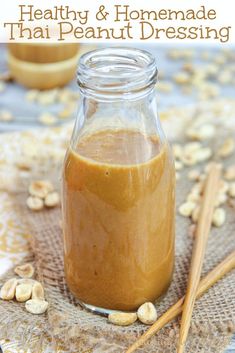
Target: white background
<point x="9" y="12"/>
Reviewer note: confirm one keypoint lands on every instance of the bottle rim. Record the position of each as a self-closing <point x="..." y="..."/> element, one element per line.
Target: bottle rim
<point x="116" y="71"/>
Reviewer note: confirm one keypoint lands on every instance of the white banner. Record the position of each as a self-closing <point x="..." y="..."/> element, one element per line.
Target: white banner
<point x="207" y="21"/>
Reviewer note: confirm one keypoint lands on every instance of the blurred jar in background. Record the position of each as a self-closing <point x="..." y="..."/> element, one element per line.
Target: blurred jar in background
<point x="43" y="66"/>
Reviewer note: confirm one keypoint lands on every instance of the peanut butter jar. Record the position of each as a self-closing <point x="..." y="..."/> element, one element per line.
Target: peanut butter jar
<point x="118" y="186"/>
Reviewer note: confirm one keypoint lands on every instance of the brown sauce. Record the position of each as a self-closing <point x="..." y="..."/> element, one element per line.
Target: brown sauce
<point x="118" y="219"/>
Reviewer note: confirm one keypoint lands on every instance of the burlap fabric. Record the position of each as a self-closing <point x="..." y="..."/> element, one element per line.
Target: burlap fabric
<point x="213" y="321"/>
<point x="81" y="331"/>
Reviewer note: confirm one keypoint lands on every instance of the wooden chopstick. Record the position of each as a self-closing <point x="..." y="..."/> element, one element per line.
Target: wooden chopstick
<point x="211" y="278"/>
<point x="202" y="233"/>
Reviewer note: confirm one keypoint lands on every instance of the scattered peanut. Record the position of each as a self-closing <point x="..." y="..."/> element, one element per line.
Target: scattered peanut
<point x="181" y="78"/>
<point x="122" y="319"/>
<point x="208" y="90"/>
<point x="227" y="148"/>
<point x="201" y="133"/>
<point x="8" y="289"/>
<point x="23" y="292"/>
<point x="52" y="199"/>
<point x="224" y="186"/>
<point x="221" y="198"/>
<point x="194" y="174"/>
<point x="47" y="119"/>
<point x="147" y="313"/>
<point x="47" y="97"/>
<point x="34" y="203"/>
<point x="36" y="306"/>
<point x="68" y="111"/>
<point x="224" y="77"/>
<point x="23" y="164"/>
<point x="178" y="165"/>
<point x="194" y="197"/>
<point x="192" y="133"/>
<point x="188" y="159"/>
<point x="177" y="150"/>
<point x="230" y="173"/>
<point x="25" y="271"/>
<point x="219" y="217"/>
<point x="192" y="147"/>
<point x="6" y="116"/>
<point x="198" y="187"/>
<point x="38" y="291"/>
<point x="164" y="86"/>
<point x="40" y="188"/>
<point x="32" y="95"/>
<point x="202" y="154"/>
<point x="206" y="131"/>
<point x="186" y="209"/>
<point x="231" y="190"/>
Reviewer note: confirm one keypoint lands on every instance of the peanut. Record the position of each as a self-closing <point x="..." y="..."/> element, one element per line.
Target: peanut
<point x="31" y="95"/>
<point x="47" y="119"/>
<point x="38" y="291"/>
<point x="189" y="159"/>
<point x="194" y="197"/>
<point x="223" y="187"/>
<point x="178" y="165"/>
<point x="177" y="150"/>
<point x="147" y="313"/>
<point x="202" y="154"/>
<point x="192" y="147"/>
<point x="8" y="289"/>
<point x="34" y="203"/>
<point x="36" y="306"/>
<point x="40" y="188"/>
<point x="186" y="209"/>
<point x="122" y="319"/>
<point x="194" y="174"/>
<point x="6" y="115"/>
<point x="221" y="198"/>
<point x="227" y="148"/>
<point x="219" y="217"/>
<point x="231" y="190"/>
<point x="23" y="292"/>
<point x="230" y="173"/>
<point x="198" y="187"/>
<point x="52" y="199"/>
<point x="206" y="131"/>
<point x="25" y="271"/>
<point x="181" y="78"/>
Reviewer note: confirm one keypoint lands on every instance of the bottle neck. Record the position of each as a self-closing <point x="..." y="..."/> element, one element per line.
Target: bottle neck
<point x="117" y="74"/>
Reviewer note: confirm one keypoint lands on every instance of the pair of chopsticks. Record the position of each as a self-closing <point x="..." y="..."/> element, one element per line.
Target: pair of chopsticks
<point x="194" y="288"/>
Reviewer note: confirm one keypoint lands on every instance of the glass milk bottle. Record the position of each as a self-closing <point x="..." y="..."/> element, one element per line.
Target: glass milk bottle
<point x="118" y="186"/>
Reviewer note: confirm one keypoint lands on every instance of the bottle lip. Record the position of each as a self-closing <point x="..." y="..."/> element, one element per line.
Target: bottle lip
<point x="116" y="71"/>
